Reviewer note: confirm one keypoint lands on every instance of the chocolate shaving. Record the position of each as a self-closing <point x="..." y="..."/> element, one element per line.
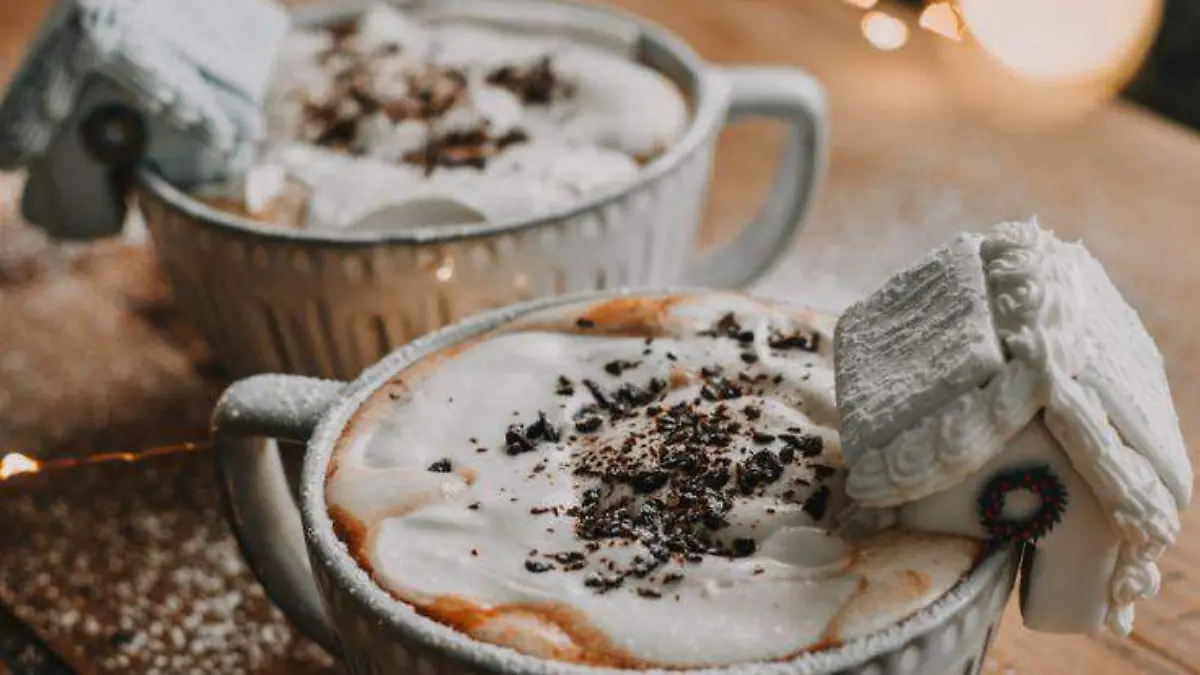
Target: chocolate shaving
<point x="760" y="469"/>
<point x="461" y="149"/>
<point x="520" y="439"/>
<point x="565" y="386"/>
<point x="588" y="424"/>
<point x="536" y="84"/>
<point x="809" y="342"/>
<point x="817" y="503"/>
<point x="615" y="368"/>
<point x="808" y="445"/>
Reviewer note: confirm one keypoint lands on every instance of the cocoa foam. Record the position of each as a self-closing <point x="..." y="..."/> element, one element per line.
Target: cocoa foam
<point x="639" y="483"/>
<point x="512" y="124"/>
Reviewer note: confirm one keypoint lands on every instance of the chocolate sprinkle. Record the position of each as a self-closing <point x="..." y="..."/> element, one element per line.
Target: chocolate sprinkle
<point x="441" y="466"/>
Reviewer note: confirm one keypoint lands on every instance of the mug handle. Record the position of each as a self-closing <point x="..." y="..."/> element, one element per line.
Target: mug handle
<point x="257" y="497"/>
<point x="794" y="97"/>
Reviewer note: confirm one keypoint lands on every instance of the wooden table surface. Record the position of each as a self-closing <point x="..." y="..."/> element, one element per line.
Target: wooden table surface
<point x="911" y="165"/>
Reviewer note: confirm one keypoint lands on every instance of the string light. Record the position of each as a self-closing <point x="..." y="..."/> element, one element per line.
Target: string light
<point x="16" y="464"/>
<point x="884" y="31"/>
<point x="941" y="19"/>
<point x="1062" y="41"/>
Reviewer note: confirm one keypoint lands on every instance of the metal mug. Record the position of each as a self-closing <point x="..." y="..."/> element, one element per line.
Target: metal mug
<point x="308" y="572"/>
<point x="276" y="299"/>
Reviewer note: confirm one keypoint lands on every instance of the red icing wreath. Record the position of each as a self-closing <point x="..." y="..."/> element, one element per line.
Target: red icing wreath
<point x="1038" y="480"/>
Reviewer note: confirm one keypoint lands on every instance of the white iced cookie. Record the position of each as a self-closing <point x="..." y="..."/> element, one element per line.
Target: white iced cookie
<point x="1002" y="388"/>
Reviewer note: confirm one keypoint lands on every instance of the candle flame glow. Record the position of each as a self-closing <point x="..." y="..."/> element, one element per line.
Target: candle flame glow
<point x="941" y="19"/>
<point x="14" y="463"/>
<point x="884" y="31"/>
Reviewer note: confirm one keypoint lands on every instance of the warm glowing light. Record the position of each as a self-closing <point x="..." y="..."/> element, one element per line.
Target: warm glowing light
<point x="14" y="463"/>
<point x="884" y="31"/>
<point x="445" y="271"/>
<point x="1053" y="41"/>
<point x="940" y="18"/>
<point x="862" y="4"/>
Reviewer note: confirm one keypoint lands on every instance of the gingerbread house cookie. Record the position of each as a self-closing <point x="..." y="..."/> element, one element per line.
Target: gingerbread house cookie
<point x="1002" y="388"/>
<point x="108" y="83"/>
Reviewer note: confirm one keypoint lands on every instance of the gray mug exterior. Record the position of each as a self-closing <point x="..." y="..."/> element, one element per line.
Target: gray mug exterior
<point x="307" y="571"/>
<point x="270" y="298"/>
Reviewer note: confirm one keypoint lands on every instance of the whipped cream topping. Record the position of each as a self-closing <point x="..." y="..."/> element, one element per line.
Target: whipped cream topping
<point x="513" y="124"/>
<point x="643" y="482"/>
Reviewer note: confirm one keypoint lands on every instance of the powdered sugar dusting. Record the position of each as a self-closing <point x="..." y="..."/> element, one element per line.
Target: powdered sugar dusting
<point x="125" y="568"/>
<point x="145" y="579"/>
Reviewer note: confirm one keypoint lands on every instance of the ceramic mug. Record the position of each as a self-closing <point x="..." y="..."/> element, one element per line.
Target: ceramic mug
<point x="276" y="299"/>
<point x="307" y="571"/>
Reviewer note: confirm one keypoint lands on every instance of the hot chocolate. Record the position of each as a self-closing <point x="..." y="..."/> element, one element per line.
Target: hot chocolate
<point x="390" y="110"/>
<point x="637" y="483"/>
